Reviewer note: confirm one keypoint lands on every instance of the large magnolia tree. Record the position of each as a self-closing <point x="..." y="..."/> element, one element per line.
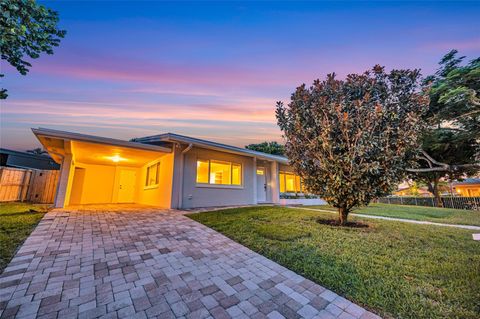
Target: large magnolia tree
<point x="352" y="140"/>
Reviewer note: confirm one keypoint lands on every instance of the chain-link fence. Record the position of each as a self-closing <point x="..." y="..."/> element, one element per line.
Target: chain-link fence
<point x="458" y="202"/>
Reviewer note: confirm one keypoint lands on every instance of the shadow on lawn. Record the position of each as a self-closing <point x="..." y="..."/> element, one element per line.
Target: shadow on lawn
<point x="336" y="222"/>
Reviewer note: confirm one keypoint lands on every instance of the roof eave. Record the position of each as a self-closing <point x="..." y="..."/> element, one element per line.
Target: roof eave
<point x="168" y="137"/>
<point x="97" y="139"/>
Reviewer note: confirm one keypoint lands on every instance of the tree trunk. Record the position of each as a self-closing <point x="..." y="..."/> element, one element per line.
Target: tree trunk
<point x="342" y="215"/>
<point x="436" y="192"/>
<point x="432" y="185"/>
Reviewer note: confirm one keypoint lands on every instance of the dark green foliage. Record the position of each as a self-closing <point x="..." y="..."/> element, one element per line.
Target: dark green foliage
<point x="454" y="95"/>
<point x="267" y="147"/>
<point x="27" y="30"/>
<point x="352" y="140"/>
<point x="453" y="121"/>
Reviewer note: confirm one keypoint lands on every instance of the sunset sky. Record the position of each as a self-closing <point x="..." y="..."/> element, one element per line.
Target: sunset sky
<point x="215" y="70"/>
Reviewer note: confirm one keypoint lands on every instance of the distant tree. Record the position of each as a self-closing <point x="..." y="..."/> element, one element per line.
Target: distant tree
<point x="27" y="28"/>
<point x="267" y="147"/>
<point x="37" y="151"/>
<point x="352" y="140"/>
<point x="450" y="143"/>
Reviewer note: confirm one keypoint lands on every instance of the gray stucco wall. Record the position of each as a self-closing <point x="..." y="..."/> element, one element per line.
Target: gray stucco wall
<point x="194" y="195"/>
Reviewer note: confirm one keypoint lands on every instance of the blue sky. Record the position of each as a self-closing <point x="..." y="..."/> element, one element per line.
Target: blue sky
<point x="214" y="70"/>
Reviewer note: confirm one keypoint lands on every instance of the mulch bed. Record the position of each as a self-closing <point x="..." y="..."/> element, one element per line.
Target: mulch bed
<point x="335" y="222"/>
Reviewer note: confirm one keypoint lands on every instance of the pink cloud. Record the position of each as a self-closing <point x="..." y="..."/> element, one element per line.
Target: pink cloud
<point x="244" y="111"/>
<point x="232" y="126"/>
<point x="122" y="69"/>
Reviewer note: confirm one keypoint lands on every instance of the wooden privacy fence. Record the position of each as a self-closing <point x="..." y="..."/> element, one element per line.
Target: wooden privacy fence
<point x="458" y="202"/>
<point x="31" y="185"/>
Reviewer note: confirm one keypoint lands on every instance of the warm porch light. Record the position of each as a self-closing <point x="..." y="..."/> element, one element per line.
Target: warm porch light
<point x="115" y="158"/>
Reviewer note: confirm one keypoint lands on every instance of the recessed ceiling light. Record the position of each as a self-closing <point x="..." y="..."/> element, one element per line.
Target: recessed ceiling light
<point x="116" y="158"/>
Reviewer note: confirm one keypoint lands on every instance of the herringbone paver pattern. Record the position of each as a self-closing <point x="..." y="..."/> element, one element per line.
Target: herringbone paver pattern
<point x="150" y="263"/>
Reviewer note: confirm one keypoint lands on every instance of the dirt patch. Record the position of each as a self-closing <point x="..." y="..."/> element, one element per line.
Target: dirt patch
<point x="335" y="222"/>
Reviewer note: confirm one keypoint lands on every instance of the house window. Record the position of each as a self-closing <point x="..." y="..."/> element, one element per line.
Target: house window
<point x="153" y="172"/>
<point x="290" y="183"/>
<point x="218" y="173"/>
<point x="202" y="171"/>
<point x="236" y="174"/>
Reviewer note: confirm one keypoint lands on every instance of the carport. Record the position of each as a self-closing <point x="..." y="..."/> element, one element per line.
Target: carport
<point x="96" y="170"/>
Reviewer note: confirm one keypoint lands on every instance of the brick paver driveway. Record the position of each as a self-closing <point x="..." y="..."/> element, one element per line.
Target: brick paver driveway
<point x="139" y="263"/>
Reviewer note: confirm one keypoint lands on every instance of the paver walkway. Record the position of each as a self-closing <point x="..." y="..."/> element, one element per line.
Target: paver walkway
<point x="403" y="220"/>
<point x="152" y="263"/>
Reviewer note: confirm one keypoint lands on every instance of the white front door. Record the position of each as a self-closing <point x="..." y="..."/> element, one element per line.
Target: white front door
<point x="261" y="185"/>
<point x="126" y="187"/>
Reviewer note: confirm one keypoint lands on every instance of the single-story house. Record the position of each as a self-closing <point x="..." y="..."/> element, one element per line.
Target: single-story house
<point x="166" y="170"/>
<point x="11" y="158"/>
<point x="469" y="187"/>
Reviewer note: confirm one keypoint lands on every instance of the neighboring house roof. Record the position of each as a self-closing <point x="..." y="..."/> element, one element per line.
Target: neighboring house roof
<point x="97" y="139"/>
<point x="171" y="137"/>
<point x="19" y="159"/>
<point x="468" y="181"/>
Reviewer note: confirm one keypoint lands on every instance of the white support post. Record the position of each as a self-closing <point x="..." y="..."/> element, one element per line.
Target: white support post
<point x="255" y="201"/>
<point x="275" y="186"/>
<point x="62" y="187"/>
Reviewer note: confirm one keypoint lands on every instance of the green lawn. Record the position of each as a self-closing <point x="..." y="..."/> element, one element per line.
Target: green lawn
<point x="17" y="221"/>
<point x="394" y="269"/>
<point x="438" y="215"/>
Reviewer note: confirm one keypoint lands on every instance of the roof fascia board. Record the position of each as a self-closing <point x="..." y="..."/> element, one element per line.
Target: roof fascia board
<point x="215" y="146"/>
<point x="97" y="139"/>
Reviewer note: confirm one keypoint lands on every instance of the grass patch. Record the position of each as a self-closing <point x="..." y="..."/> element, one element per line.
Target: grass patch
<point x="280" y="232"/>
<point x="394" y="269"/>
<point x="431" y="214"/>
<point x="17" y="221"/>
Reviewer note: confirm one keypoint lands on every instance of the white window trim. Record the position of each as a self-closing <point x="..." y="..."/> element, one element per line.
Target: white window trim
<point x="145" y="187"/>
<point x="285" y="182"/>
<point x="210" y="185"/>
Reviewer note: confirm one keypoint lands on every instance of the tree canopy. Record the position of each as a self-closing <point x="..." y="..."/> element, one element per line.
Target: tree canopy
<point x="352" y="140"/>
<point x="454" y="95"/>
<point x="28" y="29"/>
<point x="450" y="142"/>
<point x="267" y="147"/>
